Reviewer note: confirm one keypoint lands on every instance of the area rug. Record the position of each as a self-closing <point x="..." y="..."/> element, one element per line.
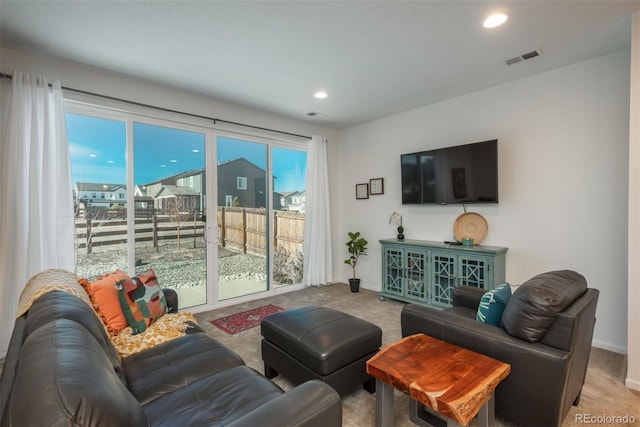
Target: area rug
<point x="245" y="320"/>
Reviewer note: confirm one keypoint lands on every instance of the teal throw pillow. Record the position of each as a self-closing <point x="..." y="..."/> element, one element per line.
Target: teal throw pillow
<point x="492" y="305"/>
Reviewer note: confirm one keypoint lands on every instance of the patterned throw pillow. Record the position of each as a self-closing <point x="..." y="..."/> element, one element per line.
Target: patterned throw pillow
<point x="104" y="298"/>
<point x="142" y="300"/>
<point x="492" y="305"/>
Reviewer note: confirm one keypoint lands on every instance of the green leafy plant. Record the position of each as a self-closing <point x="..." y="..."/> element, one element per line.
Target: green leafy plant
<point x="357" y="247"/>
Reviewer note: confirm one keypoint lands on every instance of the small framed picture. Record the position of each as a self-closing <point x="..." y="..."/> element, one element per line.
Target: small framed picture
<point x="376" y="186"/>
<point x="362" y="191"/>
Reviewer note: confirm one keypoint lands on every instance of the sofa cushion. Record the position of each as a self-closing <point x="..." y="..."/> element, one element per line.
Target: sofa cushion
<point x="104" y="297"/>
<point x="142" y="300"/>
<point x="492" y="305"/>
<point x="534" y="306"/>
<point x="216" y="399"/>
<point x="176" y="364"/>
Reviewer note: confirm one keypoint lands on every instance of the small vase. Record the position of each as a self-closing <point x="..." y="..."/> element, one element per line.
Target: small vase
<point x="400" y="236"/>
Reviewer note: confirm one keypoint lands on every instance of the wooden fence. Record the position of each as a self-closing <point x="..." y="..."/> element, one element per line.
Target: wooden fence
<point x="93" y="233"/>
<point x="245" y="230"/>
<point x="239" y="229"/>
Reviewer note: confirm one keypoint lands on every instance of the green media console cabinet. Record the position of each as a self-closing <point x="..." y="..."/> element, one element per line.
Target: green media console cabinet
<point x="426" y="272"/>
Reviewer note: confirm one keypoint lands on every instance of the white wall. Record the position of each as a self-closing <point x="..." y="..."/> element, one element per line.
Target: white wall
<point x="563" y="178"/>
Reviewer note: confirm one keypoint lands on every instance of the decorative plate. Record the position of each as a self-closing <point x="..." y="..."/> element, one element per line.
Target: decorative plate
<point x="470" y="225"/>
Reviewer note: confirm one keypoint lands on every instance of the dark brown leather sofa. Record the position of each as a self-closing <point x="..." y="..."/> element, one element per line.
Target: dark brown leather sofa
<point x="550" y="320"/>
<point x="61" y="369"/>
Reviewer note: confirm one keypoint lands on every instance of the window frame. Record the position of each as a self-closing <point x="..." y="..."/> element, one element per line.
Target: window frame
<point x="111" y="109"/>
<point x="241" y="183"/>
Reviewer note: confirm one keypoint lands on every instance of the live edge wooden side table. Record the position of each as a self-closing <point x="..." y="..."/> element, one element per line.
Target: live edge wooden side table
<point x="449" y="380"/>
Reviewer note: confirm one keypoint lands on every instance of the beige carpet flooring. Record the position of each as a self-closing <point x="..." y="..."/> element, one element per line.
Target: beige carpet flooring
<point x="604" y="393"/>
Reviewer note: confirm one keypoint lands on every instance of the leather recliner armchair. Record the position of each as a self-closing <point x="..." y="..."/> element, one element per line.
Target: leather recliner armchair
<point x="548" y="370"/>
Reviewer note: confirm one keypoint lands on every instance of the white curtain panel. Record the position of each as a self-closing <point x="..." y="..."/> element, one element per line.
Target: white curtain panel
<point x="318" y="267"/>
<point x="36" y="201"/>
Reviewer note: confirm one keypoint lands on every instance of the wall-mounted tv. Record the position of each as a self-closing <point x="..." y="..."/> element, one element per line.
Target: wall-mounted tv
<point x="460" y="174"/>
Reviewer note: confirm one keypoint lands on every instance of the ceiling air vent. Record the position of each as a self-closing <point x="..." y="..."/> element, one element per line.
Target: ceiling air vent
<point x="524" y="57"/>
<point x="315" y="113"/>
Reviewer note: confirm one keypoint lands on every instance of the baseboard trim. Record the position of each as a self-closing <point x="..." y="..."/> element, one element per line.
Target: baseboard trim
<point x="632" y="383"/>
<point x="608" y="346"/>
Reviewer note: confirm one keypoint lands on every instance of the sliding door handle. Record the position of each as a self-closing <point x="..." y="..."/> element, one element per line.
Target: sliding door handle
<point x="208" y="234"/>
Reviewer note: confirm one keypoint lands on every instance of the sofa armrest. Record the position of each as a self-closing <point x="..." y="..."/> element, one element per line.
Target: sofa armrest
<point x="467" y="296"/>
<point x="172" y="300"/>
<point x="310" y="404"/>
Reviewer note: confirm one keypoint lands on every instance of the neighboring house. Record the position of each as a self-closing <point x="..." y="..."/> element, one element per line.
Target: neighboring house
<point x="240" y="183"/>
<point x="142" y="200"/>
<point x="173" y="198"/>
<point x="99" y="194"/>
<point x="293" y="201"/>
<point x="243" y="184"/>
<point x="192" y="184"/>
<point x="285" y="199"/>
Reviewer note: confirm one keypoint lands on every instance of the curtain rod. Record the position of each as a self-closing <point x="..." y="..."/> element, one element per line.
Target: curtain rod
<point x="140" y="104"/>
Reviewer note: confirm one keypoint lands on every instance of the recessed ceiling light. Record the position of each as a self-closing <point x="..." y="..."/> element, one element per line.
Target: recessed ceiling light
<point x="195" y="151"/>
<point x="320" y="95"/>
<point x="495" y="20"/>
<point x="110" y="161"/>
<point x="173" y="161"/>
<point x="92" y="155"/>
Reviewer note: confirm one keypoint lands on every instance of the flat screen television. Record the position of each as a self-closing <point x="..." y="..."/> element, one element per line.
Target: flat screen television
<point x="460" y="174"/>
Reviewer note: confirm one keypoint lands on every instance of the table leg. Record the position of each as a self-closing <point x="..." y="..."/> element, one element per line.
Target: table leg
<point x="384" y="404"/>
<point x="487" y="413"/>
<point x="422" y="416"/>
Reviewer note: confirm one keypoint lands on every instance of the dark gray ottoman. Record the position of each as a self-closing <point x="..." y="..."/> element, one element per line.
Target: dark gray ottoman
<point x="320" y="343"/>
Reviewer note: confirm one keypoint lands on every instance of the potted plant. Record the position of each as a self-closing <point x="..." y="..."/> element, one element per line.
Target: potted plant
<point x="357" y="246"/>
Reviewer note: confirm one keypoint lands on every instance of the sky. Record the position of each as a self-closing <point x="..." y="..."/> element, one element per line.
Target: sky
<point x="98" y="153"/>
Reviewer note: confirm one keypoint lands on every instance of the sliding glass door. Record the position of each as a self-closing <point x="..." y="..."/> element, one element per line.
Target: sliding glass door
<point x="158" y="222"/>
<point x="289" y="179"/>
<point x="170" y="208"/>
<point x="243" y="222"/>
<point x="97" y="147"/>
<point x="141" y="200"/>
<point x="260" y="220"/>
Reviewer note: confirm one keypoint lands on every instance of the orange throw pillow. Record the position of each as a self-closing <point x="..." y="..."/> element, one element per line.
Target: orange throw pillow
<point x="104" y="297"/>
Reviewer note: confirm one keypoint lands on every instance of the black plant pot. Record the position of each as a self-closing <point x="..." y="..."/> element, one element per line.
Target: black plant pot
<point x="400" y="236"/>
<point x="354" y="284"/>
